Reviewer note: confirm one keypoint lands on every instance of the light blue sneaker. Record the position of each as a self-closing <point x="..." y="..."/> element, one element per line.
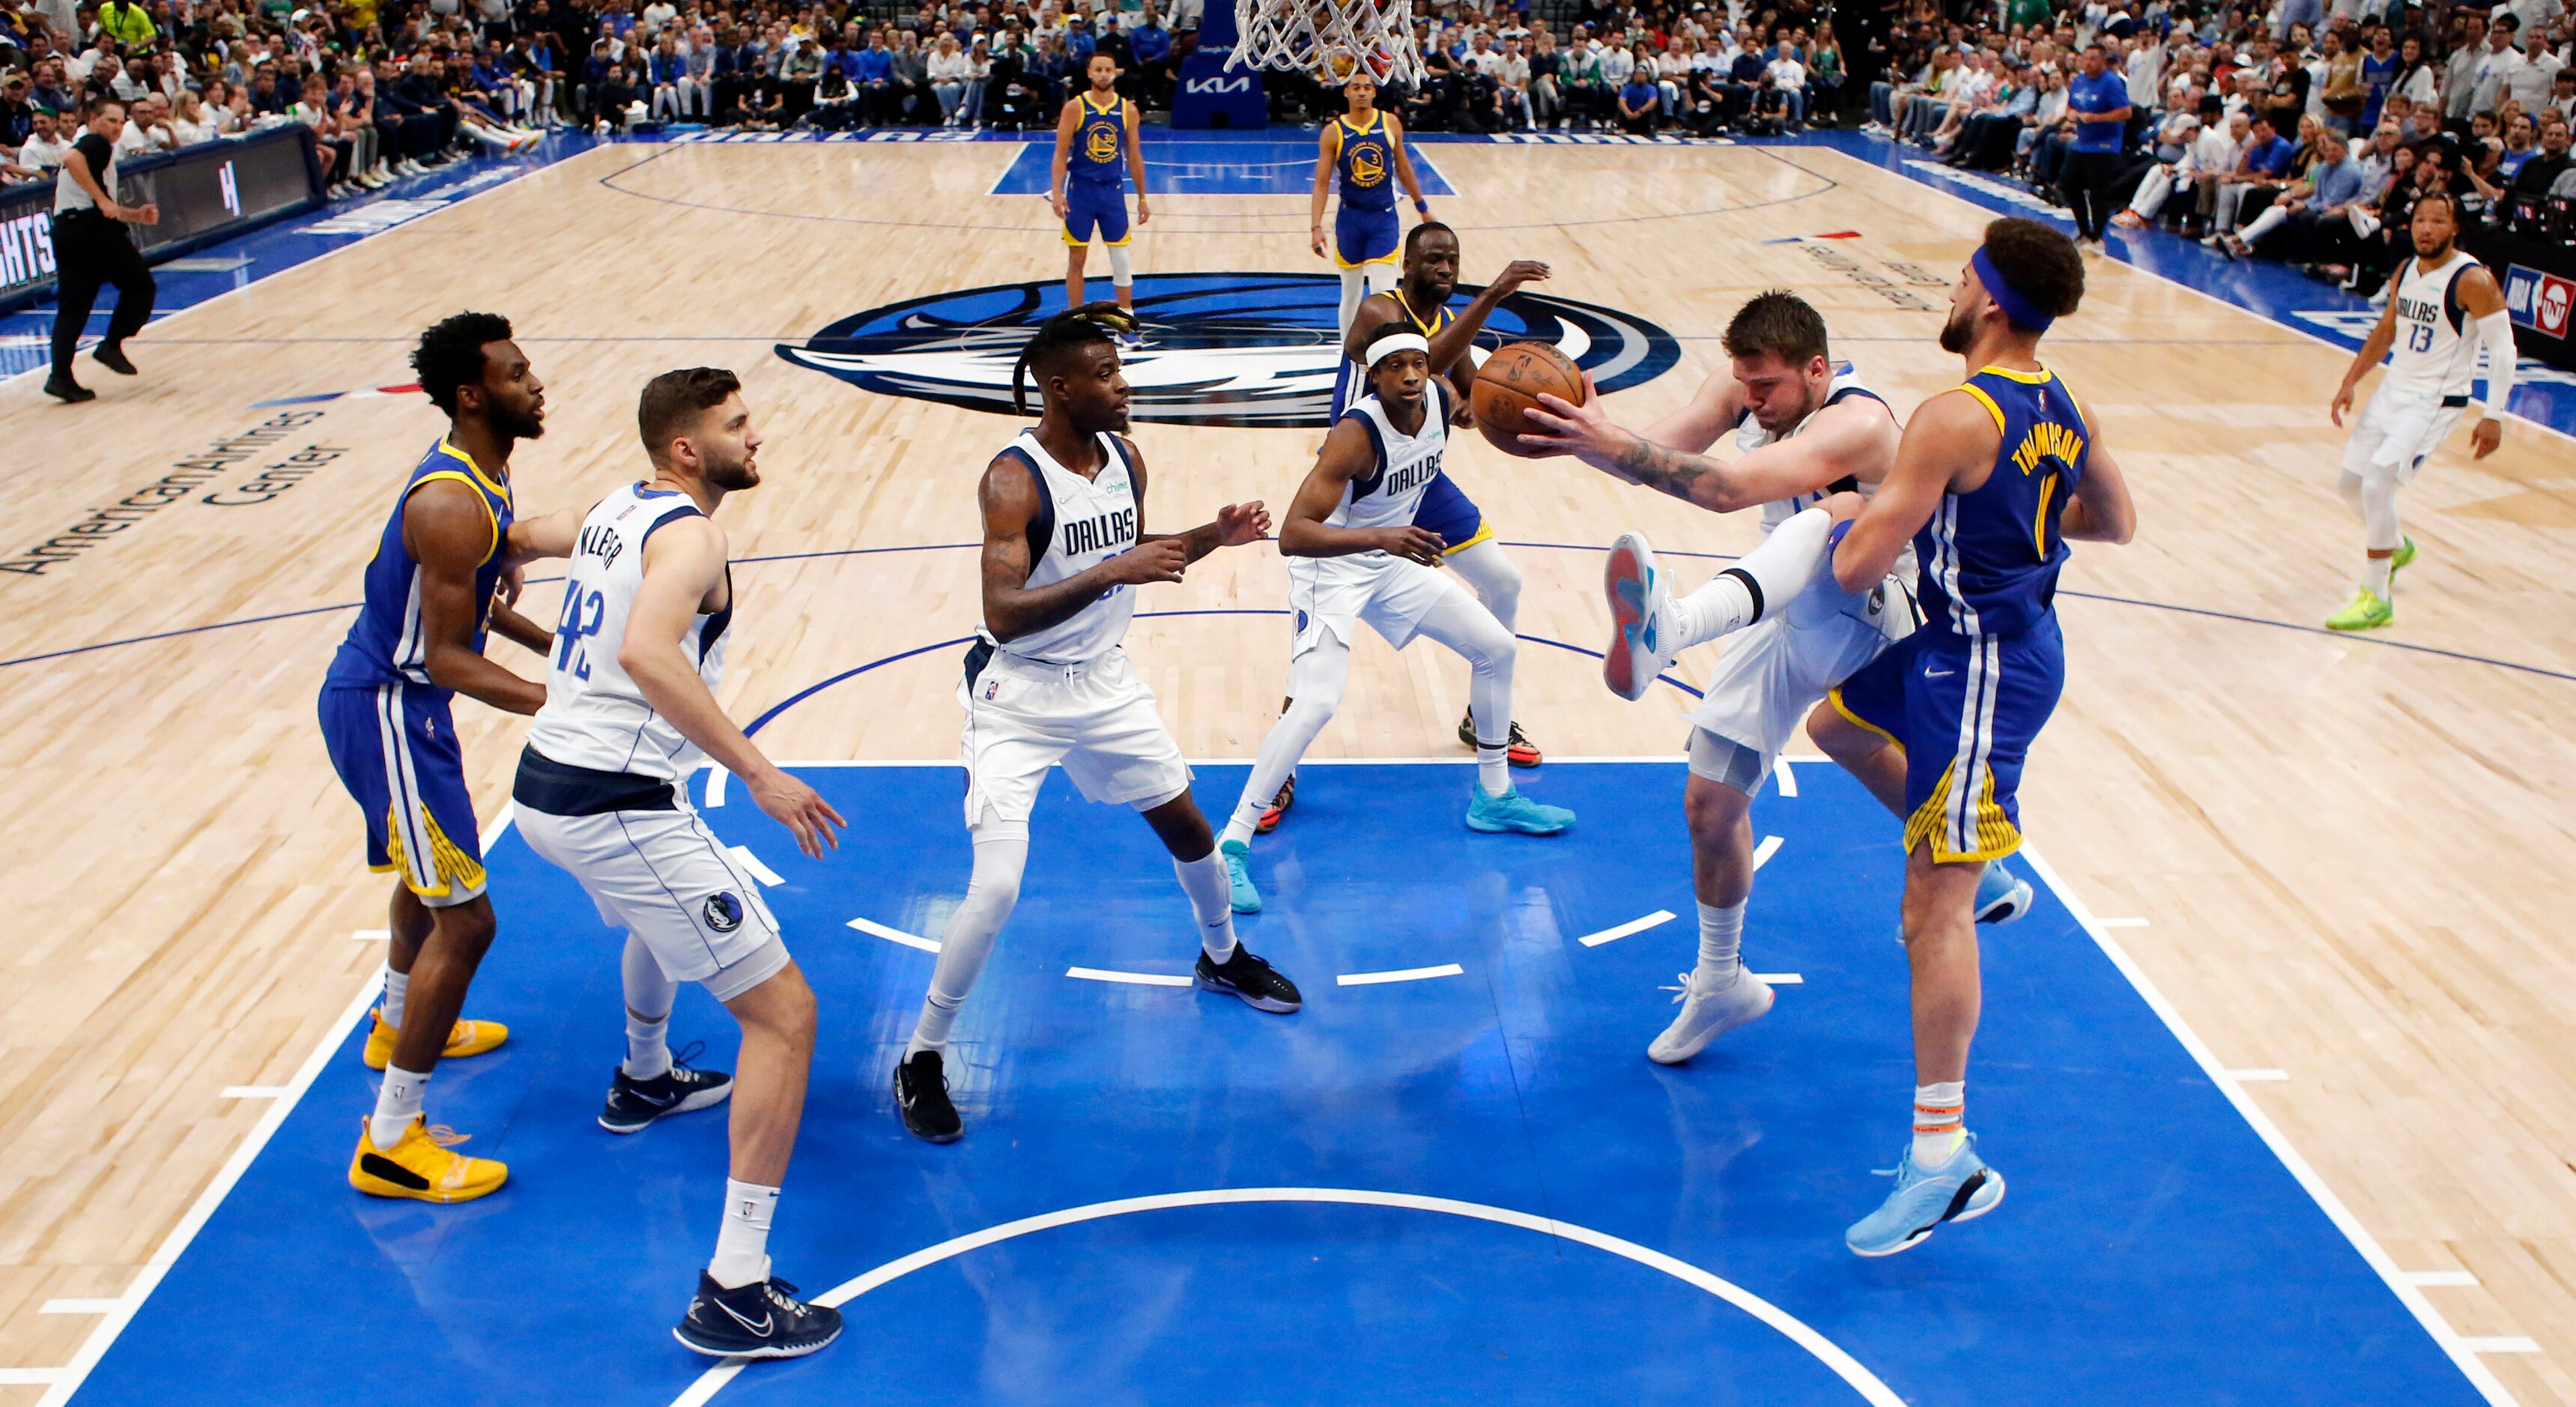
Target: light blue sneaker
<point x="1512" y="811"/>
<point x="1961" y="1189"/>
<point x="2002" y="896"/>
<point x="1246" y="899"/>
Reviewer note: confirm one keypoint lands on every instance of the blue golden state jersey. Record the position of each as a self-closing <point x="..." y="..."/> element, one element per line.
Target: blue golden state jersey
<point x="1366" y="163"/>
<point x="386" y="645"/>
<point x="1100" y="143"/>
<point x="1988" y="559"/>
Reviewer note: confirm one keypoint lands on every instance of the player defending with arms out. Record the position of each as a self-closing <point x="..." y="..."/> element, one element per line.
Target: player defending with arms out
<point x="448" y="551"/>
<point x="1355" y="553"/>
<point x="1095" y="135"/>
<point x="1467" y="542"/>
<point x="1065" y="547"/>
<point x="1806" y="428"/>
<point x="630" y="709"/>
<point x="1991" y="481"/>
<point x="2431" y="303"/>
<point x="1365" y="149"/>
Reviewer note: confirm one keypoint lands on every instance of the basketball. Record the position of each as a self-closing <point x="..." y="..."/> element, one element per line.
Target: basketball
<point x="1509" y="384"/>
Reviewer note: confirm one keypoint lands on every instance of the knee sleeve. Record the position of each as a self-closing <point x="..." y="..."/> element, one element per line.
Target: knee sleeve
<point x="991" y="893"/>
<point x="2379" y="527"/>
<point x="649" y="990"/>
<point x="1383" y="277"/>
<point x="1353" y="280"/>
<point x="1121" y="269"/>
<point x="1496" y="580"/>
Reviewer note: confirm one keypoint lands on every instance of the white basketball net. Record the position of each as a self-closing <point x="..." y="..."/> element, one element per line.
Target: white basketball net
<point x="1331" y="39"/>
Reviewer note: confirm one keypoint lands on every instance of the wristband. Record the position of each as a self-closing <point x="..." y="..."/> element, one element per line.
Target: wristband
<point x="1834" y="536"/>
<point x="1422" y="205"/>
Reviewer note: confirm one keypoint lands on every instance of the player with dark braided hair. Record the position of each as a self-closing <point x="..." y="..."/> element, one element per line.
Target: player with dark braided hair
<point x="1046" y="681"/>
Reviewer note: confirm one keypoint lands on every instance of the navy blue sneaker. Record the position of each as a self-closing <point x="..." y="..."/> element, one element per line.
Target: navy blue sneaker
<point x="763" y="1319"/>
<point x="633" y="1103"/>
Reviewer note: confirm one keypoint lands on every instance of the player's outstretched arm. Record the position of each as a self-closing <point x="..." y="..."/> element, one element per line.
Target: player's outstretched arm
<point x="1950" y="434"/>
<point x="1404" y="165"/>
<point x="1236" y="525"/>
<point x="1012" y="607"/>
<point x="1449" y="348"/>
<point x="2374" y="349"/>
<point x="1065" y="123"/>
<point x="1347" y="455"/>
<point x="548" y="535"/>
<point x="1328" y="148"/>
<point x="684" y="564"/>
<point x="448" y="533"/>
<point x="1587" y="432"/>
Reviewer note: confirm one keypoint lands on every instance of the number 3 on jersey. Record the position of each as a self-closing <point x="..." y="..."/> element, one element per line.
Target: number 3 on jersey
<point x="571" y="653"/>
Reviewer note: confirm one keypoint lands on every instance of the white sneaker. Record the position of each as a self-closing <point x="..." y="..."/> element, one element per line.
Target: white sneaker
<point x="1707" y="1015"/>
<point x="1641" y="607"/>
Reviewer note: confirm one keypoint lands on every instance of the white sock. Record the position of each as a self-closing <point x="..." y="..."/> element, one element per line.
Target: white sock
<point x="1765" y="581"/>
<point x="649" y="995"/>
<point x="1353" y="282"/>
<point x="1721" y="940"/>
<point x="397" y="986"/>
<point x="742" y="1242"/>
<point x="1940" y="1122"/>
<point x="1211" y="899"/>
<point x="992" y="891"/>
<point x="2377" y="573"/>
<point x="397" y="1104"/>
<point x="1493" y="763"/>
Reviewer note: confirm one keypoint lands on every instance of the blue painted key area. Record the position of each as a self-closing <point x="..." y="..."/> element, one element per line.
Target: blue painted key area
<point x="2151" y="1249"/>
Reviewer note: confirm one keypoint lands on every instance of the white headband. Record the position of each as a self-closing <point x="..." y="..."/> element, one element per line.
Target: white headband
<point x="1395" y="342"/>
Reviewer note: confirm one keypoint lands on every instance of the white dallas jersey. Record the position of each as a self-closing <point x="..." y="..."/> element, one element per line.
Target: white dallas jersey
<point x="1388" y="495"/>
<point x="1081" y="523"/>
<point x="1750" y="436"/>
<point x="594" y="715"/>
<point x="2433" y="355"/>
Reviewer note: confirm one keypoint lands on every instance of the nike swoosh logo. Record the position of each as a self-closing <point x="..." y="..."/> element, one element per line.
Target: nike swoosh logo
<point x="645" y="1099"/>
<point x="764" y="1328"/>
<point x="1940" y="673"/>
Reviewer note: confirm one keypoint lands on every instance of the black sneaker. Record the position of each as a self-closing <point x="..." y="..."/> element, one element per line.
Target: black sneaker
<point x="921" y="1092"/>
<point x="112" y="356"/>
<point x="68" y="391"/>
<point x="1248" y="977"/>
<point x="633" y="1103"/>
<point x="1521" y="752"/>
<point x="763" y="1319"/>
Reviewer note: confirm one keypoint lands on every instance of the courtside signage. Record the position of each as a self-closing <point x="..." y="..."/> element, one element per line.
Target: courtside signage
<point x="2538" y="301"/>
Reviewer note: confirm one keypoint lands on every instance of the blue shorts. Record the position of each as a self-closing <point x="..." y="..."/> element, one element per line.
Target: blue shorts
<point x="1446" y="511"/>
<point x="1365" y="236"/>
<point x="1094" y="205"/>
<point x="395" y="749"/>
<point x="1966" y="712"/>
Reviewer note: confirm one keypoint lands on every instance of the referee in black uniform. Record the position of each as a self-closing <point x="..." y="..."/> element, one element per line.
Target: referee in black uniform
<point x="91" y="249"/>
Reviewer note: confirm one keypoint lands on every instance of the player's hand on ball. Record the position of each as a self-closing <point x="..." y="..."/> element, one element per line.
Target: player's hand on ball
<point x="1568" y="428"/>
<point x="1414" y="544"/>
<point x="1238" y="524"/>
<point x="1163" y="559"/>
<point x="1520" y="271"/>
<point x="2484" y="439"/>
<point x="798" y="807"/>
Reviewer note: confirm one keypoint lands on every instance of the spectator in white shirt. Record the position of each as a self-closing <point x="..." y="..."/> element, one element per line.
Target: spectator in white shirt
<point x="1790" y="77"/>
<point x="1511" y="75"/>
<point x="45" y="146"/>
<point x="147" y="129"/>
<point x="2496" y="66"/>
<point x="2536" y="82"/>
<point x="189" y="120"/>
<point x="656" y="15"/>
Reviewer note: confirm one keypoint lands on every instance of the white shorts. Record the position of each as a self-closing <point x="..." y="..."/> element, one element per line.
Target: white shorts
<point x="1775" y="671"/>
<point x="1098" y="719"/>
<point x="665" y="878"/>
<point x="1336" y="593"/>
<point x="2398" y="431"/>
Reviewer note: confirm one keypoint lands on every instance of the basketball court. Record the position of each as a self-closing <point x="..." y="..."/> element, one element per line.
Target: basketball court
<point x="2277" y="1069"/>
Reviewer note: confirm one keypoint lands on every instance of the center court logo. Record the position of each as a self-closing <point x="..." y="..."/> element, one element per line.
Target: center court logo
<point x="1221" y="349"/>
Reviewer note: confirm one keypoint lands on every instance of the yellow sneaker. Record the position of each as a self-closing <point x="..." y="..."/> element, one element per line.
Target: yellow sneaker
<point x="418" y="1168"/>
<point x="463" y="1039"/>
<point x="2368" y="611"/>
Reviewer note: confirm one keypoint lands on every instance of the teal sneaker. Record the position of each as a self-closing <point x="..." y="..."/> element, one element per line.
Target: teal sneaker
<point x="1961" y="1189"/>
<point x="2002" y="896"/>
<point x="1512" y="811"/>
<point x="1246" y="899"/>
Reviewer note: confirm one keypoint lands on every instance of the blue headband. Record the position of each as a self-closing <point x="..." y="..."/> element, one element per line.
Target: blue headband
<point x="2006" y="297"/>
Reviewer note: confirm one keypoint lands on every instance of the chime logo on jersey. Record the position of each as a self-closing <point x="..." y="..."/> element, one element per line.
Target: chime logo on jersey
<point x="1220" y="349"/>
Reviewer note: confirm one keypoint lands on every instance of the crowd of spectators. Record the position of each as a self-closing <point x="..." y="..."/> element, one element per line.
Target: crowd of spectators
<point x="2301" y="132"/>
